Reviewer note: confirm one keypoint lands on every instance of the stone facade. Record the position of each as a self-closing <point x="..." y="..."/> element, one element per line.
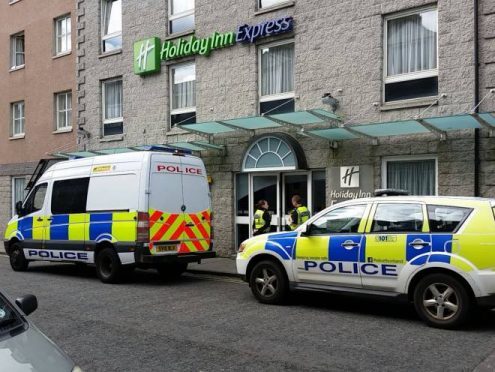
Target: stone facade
<point x="338" y="49"/>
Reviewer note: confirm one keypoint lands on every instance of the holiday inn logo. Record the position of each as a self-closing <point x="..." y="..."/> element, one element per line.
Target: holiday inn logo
<point x="149" y="53"/>
<point x="147" y="56"/>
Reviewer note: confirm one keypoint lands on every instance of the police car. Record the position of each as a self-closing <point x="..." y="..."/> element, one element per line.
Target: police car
<point x="144" y="208"/>
<point x="437" y="252"/>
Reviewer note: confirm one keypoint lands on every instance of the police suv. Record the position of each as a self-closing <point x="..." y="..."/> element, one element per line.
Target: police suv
<point x="146" y="209"/>
<point x="437" y="252"/>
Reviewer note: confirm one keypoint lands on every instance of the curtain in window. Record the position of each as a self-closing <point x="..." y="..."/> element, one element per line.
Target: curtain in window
<point x="417" y="177"/>
<point x="19" y="192"/>
<point x="184" y="87"/>
<point x="277" y="69"/>
<point x="112" y="16"/>
<point x="113" y="100"/>
<point x="17" y="50"/>
<point x="412" y="43"/>
<point x="18" y="112"/>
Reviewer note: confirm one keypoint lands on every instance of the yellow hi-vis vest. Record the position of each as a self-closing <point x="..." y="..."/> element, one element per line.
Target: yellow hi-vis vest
<point x="302" y="216"/>
<point x="259" y="222"/>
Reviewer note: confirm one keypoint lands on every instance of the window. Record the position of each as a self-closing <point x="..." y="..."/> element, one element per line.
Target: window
<point x="18" y="119"/>
<point x="270" y="153"/>
<point x="18" y="191"/>
<point x="447" y="219"/>
<point x="276" y="78"/>
<point x="398" y="218"/>
<point x="418" y="176"/>
<point x="181" y="16"/>
<point x="70" y="196"/>
<point x="111" y="20"/>
<point x="340" y="220"/>
<point x="270" y="3"/>
<point x="17" y="51"/>
<point x="183" y="80"/>
<point x="63" y="43"/>
<point x="35" y="200"/>
<point x="123" y="185"/>
<point x="112" y="107"/>
<point x="411" y="67"/>
<point x="63" y="103"/>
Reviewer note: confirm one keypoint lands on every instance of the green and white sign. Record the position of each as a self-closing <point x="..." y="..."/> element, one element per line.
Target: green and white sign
<point x="147" y="56"/>
<point x="149" y="53"/>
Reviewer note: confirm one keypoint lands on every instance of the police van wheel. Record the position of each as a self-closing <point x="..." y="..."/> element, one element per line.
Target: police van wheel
<point x="442" y="301"/>
<point x="268" y="283"/>
<point x="18" y="261"/>
<point x="108" y="266"/>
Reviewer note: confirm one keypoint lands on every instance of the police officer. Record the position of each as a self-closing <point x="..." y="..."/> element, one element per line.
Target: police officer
<point x="299" y="214"/>
<point x="262" y="218"/>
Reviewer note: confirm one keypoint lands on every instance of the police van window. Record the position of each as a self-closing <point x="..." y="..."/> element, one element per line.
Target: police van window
<point x="340" y="220"/>
<point x="398" y="218"/>
<point x="443" y="218"/>
<point x="35" y="200"/>
<point x="69" y="196"/>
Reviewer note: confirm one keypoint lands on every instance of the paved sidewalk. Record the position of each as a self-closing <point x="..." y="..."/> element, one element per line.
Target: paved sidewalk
<point x="216" y="266"/>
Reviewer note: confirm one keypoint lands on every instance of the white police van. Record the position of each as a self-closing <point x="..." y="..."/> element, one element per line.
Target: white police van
<point x="143" y="208"/>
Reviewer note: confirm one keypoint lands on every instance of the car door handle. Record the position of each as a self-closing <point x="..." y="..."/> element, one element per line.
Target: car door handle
<point x="418" y="243"/>
<point x="39" y="219"/>
<point x="349" y="244"/>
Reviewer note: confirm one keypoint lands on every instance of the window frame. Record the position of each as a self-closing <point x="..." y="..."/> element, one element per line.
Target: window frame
<point x="173" y="17"/>
<point x="274" y="6"/>
<point x="278" y="96"/>
<point x="85" y="179"/>
<point x="186" y="110"/>
<point x="33" y="191"/>
<point x="408" y="76"/>
<point x="459" y="225"/>
<point x="399" y="158"/>
<point x="374" y="210"/>
<point x="68" y="113"/>
<point x="13" y="192"/>
<point x="103" y="102"/>
<point x="14" y="52"/>
<point x="105" y="37"/>
<point x="13" y="119"/>
<point x="68" y="35"/>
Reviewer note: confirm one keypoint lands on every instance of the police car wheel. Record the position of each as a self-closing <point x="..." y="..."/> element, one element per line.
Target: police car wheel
<point x="18" y="261"/>
<point x="442" y="301"/>
<point x="108" y="266"/>
<point x="268" y="282"/>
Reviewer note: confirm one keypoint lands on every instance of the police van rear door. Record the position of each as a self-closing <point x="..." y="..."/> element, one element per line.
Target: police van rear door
<point x="166" y="204"/>
<point x="197" y="210"/>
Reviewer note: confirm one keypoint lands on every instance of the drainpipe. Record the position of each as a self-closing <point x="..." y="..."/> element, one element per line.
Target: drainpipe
<point x="476" y="100"/>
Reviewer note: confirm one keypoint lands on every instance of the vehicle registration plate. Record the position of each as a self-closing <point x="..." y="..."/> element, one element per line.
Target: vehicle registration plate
<point x="165" y="248"/>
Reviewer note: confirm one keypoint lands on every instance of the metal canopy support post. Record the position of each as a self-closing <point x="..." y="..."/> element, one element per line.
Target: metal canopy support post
<point x="483" y="123"/>
<point x="440" y="133"/>
<point x="374" y="140"/>
<point x="250" y="131"/>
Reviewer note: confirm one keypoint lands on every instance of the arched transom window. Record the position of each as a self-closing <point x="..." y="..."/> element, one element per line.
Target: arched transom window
<point x="269" y="153"/>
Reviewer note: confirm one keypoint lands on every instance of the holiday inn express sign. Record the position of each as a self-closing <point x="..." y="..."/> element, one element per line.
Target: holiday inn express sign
<point x="149" y="53"/>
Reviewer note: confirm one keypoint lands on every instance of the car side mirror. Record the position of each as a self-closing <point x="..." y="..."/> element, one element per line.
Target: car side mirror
<point x="18" y="208"/>
<point x="27" y="303"/>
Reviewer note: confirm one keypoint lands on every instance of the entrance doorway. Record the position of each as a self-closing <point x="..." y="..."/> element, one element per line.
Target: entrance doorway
<point x="277" y="189"/>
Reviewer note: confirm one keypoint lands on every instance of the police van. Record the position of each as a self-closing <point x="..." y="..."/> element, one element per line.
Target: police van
<point x="437" y="252"/>
<point x="147" y="209"/>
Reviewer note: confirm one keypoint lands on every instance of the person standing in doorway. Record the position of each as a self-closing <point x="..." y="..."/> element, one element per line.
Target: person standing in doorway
<point x="262" y="218"/>
<point x="299" y="214"/>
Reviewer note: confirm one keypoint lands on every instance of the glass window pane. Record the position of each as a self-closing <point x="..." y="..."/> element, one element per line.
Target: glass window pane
<point x="112" y="43"/>
<point x="268" y="3"/>
<point x="398" y="218"/>
<point x="179" y="119"/>
<point x="409" y="89"/>
<point x="35" y="200"/>
<point x="279" y="106"/>
<point x="242" y="233"/>
<point x="295" y="184"/>
<point x="61" y="119"/>
<point x="70" y="196"/>
<point x="412" y="43"/>
<point x="113" y="129"/>
<point x="319" y="191"/>
<point x="242" y="197"/>
<point x="342" y="220"/>
<point x="265" y="187"/>
<point x="112" y="16"/>
<point x="184" y="86"/>
<point x="182" y="24"/>
<point x="416" y="176"/>
<point x="113" y="99"/>
<point x="68" y="33"/>
<point x="277" y="69"/>
<point x="447" y="219"/>
<point x="179" y="6"/>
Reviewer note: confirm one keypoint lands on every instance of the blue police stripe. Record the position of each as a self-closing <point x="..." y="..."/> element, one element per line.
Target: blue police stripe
<point x="436" y="257"/>
<point x="411" y="252"/>
<point x="100" y="223"/>
<point x="59" y="227"/>
<point x="285" y="240"/>
<point x="442" y="242"/>
<point x="25" y="226"/>
<point x="338" y="253"/>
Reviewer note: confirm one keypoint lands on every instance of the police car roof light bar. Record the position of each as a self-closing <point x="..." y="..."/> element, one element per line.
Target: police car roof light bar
<point x="391" y="192"/>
